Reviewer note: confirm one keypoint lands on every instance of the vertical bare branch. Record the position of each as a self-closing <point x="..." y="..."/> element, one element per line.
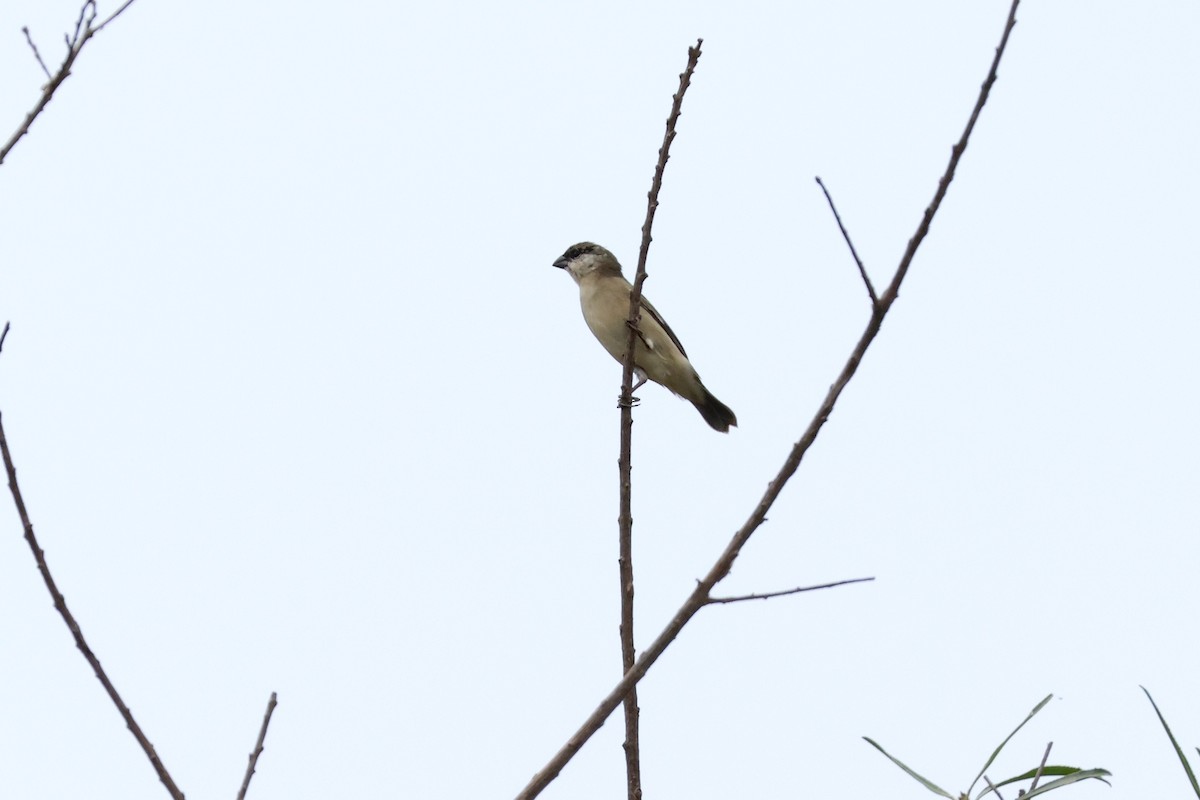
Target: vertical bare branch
<point x="258" y="748"/>
<point x="60" y="603"/>
<point x="84" y="31"/>
<point x="702" y="594"/>
<point x="625" y="518"/>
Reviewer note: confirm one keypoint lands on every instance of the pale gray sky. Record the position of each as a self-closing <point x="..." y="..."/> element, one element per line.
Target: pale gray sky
<point x="299" y="403"/>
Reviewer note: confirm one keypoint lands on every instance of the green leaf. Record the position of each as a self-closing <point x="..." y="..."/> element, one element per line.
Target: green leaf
<point x="1057" y="769"/>
<point x="1075" y="774"/>
<point x="1178" y="750"/>
<point x="926" y="783"/>
<point x="996" y="752"/>
<point x="1081" y="775"/>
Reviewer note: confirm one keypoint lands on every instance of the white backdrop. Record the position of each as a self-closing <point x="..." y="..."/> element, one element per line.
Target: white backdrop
<point x="299" y="403"/>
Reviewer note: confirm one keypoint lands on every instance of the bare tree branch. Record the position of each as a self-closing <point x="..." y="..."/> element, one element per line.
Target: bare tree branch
<point x="84" y="31"/>
<point x="36" y="54"/>
<point x="258" y="748"/>
<point x="60" y="603"/>
<point x="112" y="16"/>
<point x="4" y="334"/>
<point x="701" y="595"/>
<point x="768" y="595"/>
<point x="893" y="291"/>
<point x="625" y="517"/>
<point x="845" y="235"/>
<point x="86" y="12"/>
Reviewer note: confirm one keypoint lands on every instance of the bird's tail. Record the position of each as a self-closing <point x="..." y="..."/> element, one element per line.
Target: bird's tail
<point x="718" y="415"/>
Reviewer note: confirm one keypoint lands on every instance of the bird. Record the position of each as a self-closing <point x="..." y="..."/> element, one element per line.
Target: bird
<point x="658" y="354"/>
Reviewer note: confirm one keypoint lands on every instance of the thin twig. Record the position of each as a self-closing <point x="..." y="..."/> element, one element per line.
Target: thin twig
<point x="4" y="334"/>
<point x="84" y="23"/>
<point x="625" y="518"/>
<point x="112" y="16"/>
<point x="60" y="603"/>
<point x="768" y="595"/>
<point x="36" y="54"/>
<point x="701" y="594"/>
<point x="258" y="748"/>
<point x="84" y="31"/>
<point x="846" y="235"/>
<point x="991" y="786"/>
<point x="1037" y="776"/>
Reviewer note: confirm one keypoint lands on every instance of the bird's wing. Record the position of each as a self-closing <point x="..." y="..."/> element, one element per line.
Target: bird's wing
<point x="653" y="312"/>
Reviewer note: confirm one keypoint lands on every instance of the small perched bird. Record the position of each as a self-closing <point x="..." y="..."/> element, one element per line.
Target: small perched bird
<point x="658" y="355"/>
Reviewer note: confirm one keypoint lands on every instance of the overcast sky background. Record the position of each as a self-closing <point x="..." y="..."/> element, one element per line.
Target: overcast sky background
<point x="300" y="405"/>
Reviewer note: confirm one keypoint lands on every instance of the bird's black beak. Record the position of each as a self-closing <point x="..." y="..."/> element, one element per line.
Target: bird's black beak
<point x="561" y="263"/>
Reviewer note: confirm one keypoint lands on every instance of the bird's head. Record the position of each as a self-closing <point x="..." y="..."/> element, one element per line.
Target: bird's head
<point x="585" y="258"/>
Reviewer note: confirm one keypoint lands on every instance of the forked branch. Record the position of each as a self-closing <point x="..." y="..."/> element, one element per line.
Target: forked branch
<point x="85" y="29"/>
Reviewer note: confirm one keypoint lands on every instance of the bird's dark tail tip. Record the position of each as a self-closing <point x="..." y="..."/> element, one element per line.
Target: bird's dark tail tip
<point x="719" y="416"/>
